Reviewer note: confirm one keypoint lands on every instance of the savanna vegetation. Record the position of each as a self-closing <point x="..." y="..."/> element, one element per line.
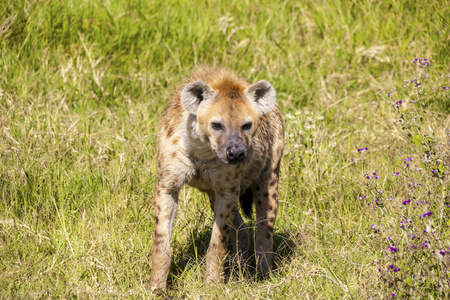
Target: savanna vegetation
<point x="364" y="190"/>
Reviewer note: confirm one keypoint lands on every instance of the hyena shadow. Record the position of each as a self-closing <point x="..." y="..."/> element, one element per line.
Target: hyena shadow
<point x="193" y="255"/>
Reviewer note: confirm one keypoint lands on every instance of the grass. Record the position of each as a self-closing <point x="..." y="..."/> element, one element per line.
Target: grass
<point x="81" y="89"/>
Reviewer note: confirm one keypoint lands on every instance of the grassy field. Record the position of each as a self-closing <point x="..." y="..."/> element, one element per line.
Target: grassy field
<point x="82" y="86"/>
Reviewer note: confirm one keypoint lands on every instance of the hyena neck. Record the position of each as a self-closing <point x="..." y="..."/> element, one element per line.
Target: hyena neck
<point x="194" y="142"/>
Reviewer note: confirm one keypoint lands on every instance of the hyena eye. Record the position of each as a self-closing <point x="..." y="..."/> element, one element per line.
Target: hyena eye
<point x="247" y="126"/>
<point x="216" y="126"/>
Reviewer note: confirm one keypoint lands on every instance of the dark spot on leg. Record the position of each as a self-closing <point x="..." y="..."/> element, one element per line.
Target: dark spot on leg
<point x="274" y="196"/>
<point x="257" y="188"/>
<point x="273" y="183"/>
<point x="270" y="228"/>
<point x="225" y="227"/>
<point x="270" y="207"/>
<point x="221" y="216"/>
<point x="173" y="154"/>
<point x="268" y="236"/>
<point x="223" y="240"/>
<point x="266" y="194"/>
<point x="156" y="220"/>
<point x="158" y="208"/>
<point x="272" y="220"/>
<point x="159" y="235"/>
<point x="259" y="202"/>
<point x="233" y="189"/>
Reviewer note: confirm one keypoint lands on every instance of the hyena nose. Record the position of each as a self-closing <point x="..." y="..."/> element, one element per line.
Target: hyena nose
<point x="235" y="154"/>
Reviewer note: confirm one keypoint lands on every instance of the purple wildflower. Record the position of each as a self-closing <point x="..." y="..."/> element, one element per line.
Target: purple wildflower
<point x="442" y="252"/>
<point x="406" y="201"/>
<point x="393" y="249"/>
<point x="427" y="214"/>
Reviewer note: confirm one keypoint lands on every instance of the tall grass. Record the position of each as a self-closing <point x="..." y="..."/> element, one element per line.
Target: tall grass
<point x="82" y="85"/>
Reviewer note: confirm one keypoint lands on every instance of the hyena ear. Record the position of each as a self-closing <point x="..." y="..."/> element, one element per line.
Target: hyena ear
<point x="193" y="94"/>
<point x="263" y="95"/>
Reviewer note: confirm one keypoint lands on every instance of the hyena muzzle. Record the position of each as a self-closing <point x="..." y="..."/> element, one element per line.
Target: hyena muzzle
<point x="224" y="137"/>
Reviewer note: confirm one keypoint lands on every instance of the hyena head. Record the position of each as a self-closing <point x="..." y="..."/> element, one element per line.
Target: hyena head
<point x="228" y="113"/>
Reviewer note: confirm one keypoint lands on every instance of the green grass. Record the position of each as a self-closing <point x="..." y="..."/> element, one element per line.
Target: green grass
<point x="82" y="86"/>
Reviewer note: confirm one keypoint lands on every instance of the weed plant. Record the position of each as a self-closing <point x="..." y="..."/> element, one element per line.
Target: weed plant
<point x="411" y="204"/>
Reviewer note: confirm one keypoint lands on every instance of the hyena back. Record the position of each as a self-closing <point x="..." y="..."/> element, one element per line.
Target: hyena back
<point x="224" y="137"/>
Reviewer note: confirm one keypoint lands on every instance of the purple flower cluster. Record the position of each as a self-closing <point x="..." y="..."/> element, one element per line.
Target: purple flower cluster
<point x="393" y="249"/>
<point x="446" y="87"/>
<point x="374" y="176"/>
<point x="406" y="161"/>
<point x="423" y="62"/>
<point x="363" y="149"/>
<point x="392" y="267"/>
<point x="397" y="104"/>
<point x="374" y="228"/>
<point x="406" y="201"/>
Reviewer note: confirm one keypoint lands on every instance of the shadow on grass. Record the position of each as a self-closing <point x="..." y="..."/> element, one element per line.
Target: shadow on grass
<point x="192" y="256"/>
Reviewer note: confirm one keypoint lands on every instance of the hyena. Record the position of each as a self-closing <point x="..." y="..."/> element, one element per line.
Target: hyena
<point x="225" y="137"/>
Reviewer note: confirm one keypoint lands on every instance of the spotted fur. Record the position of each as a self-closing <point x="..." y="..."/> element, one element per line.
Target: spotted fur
<point x="225" y="137"/>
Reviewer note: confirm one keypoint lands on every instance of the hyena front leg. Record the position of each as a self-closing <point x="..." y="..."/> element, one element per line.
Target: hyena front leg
<point x="266" y="212"/>
<point x="166" y="203"/>
<point x="240" y="238"/>
<point x="225" y="206"/>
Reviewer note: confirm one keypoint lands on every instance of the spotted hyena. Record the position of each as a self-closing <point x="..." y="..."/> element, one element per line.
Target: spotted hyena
<point x="224" y="137"/>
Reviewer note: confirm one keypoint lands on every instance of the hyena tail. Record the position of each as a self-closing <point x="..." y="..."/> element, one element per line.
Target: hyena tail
<point x="246" y="200"/>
